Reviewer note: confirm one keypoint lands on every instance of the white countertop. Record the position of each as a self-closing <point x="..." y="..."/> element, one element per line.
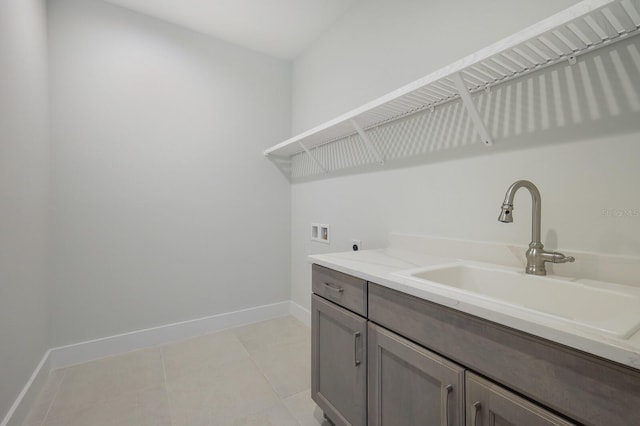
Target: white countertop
<point x="379" y="266"/>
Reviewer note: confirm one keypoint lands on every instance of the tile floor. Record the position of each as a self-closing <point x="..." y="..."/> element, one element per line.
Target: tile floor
<point x="253" y="375"/>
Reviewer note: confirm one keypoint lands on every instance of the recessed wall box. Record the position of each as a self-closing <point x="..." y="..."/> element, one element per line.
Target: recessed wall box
<point x="320" y="233"/>
<point x="324" y="234"/>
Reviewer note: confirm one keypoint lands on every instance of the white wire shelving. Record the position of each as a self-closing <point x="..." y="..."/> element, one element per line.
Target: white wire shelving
<point x="586" y="26"/>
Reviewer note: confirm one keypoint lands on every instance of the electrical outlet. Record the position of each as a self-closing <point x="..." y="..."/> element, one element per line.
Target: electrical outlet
<point x="356" y="245"/>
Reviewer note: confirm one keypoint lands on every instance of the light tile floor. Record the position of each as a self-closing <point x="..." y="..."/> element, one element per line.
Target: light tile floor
<point x="258" y="374"/>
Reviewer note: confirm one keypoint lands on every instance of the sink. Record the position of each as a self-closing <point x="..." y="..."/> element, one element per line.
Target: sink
<point x="608" y="308"/>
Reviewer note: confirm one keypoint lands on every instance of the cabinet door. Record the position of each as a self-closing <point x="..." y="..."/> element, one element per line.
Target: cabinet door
<point x="409" y="385"/>
<point x="489" y="404"/>
<point x="338" y="363"/>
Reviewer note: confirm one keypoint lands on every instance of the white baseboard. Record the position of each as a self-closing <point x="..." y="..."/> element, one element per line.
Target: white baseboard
<point x="122" y="343"/>
<point x="20" y="408"/>
<point x="300" y="313"/>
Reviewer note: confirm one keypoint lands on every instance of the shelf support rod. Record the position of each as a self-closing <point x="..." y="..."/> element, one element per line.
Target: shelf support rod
<point x="365" y="138"/>
<point x="313" y="157"/>
<point x="471" y="109"/>
<point x="282" y="163"/>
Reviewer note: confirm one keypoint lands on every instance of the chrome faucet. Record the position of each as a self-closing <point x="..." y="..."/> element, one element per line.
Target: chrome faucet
<point x="536" y="254"/>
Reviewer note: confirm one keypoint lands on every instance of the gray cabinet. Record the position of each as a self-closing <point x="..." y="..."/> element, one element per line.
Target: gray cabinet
<point x="491" y="405"/>
<point x="409" y="385"/>
<point x="579" y="386"/>
<point x="339" y="363"/>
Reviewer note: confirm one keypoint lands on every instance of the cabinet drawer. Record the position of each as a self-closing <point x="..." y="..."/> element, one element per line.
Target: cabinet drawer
<point x="342" y="289"/>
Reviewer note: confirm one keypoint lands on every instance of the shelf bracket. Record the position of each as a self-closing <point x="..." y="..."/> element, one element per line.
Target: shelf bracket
<point x="313" y="157"/>
<point x="282" y="163"/>
<point x="365" y="138"/>
<point x="471" y="109"/>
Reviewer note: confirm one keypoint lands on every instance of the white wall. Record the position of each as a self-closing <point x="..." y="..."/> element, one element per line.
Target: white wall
<point x="24" y="159"/>
<point x="164" y="207"/>
<point x="380" y="46"/>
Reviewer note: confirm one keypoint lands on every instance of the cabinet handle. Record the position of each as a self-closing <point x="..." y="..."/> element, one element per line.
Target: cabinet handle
<point x="446" y="390"/>
<point x="356" y="337"/>
<point x="338" y="290"/>
<point x="476" y="409"/>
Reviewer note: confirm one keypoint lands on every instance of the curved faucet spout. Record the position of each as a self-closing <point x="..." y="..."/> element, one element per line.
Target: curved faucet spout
<point x="536" y="207"/>
<point x="536" y="254"/>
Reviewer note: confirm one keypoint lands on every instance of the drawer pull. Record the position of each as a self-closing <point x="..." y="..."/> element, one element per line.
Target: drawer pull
<point x="476" y="410"/>
<point x="446" y="390"/>
<point x="337" y="290"/>
<point x="356" y="337"/>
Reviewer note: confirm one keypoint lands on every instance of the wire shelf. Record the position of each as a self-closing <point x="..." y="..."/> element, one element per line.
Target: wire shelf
<point x="580" y="29"/>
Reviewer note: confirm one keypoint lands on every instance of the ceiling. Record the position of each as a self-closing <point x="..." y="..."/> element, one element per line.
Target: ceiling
<point x="280" y="28"/>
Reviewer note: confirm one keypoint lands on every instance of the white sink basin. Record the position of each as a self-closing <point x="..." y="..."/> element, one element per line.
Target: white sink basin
<point x="610" y="308"/>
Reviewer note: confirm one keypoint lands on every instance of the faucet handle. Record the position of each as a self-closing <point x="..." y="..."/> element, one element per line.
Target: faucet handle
<point x="557" y="257"/>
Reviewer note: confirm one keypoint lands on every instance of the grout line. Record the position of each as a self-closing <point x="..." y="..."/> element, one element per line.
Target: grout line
<point x="166" y="387"/>
<point x="255" y="362"/>
<point x="291" y="413"/>
<point x="279" y="400"/>
<point x="53" y="398"/>
<point x="257" y="365"/>
<point x="266" y="378"/>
